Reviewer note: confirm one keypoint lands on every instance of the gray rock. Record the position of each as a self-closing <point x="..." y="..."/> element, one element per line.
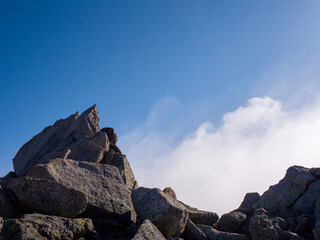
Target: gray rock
<point x="287" y="191"/>
<point x="166" y="213"/>
<point x="213" y="234"/>
<point x="261" y="226"/>
<point x="231" y="222"/>
<point x="56" y="138"/>
<point x="203" y="217"/>
<point x="147" y="231"/>
<point x="44" y="196"/>
<point x="249" y="200"/>
<point x="37" y="226"/>
<point x="121" y="162"/>
<point x="169" y="191"/>
<point x="307" y="202"/>
<point x="90" y="149"/>
<point x="108" y="196"/>
<point x="192" y="232"/>
<point x="113" y="138"/>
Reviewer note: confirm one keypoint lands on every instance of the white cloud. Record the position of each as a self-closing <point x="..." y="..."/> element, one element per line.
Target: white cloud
<point x="212" y="167"/>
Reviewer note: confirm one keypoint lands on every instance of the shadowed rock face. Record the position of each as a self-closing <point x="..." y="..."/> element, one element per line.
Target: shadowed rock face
<point x="102" y="184"/>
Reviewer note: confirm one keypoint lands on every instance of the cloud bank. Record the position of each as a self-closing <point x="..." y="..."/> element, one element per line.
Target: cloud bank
<point x="212" y="167"/>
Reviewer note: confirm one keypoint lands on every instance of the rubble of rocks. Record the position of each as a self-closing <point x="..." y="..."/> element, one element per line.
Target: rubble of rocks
<point x="71" y="181"/>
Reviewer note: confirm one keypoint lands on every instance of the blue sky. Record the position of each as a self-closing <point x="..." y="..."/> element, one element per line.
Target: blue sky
<point x="151" y="66"/>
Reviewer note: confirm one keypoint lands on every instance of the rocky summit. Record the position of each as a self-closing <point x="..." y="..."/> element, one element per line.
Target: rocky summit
<point x="72" y="181"/>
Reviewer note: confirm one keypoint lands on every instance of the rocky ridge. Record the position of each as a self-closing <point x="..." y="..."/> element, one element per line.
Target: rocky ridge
<point x="71" y="181"/>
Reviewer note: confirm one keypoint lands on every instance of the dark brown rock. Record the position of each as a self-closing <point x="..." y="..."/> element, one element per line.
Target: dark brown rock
<point x="108" y="196"/>
<point x="231" y="222"/>
<point x="147" y="231"/>
<point x="37" y="226"/>
<point x="166" y="213"/>
<point x="9" y="206"/>
<point x="44" y="196"/>
<point x="113" y="138"/>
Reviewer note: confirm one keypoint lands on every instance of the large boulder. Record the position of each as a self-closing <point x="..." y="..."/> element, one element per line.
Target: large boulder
<point x="284" y="194"/>
<point x="214" y="234"/>
<point x="231" y="222"/>
<point x="108" y="196"/>
<point x="147" y="231"/>
<point x="42" y="227"/>
<point x="166" y="213"/>
<point x="121" y="162"/>
<point x="55" y="138"/>
<point x="44" y="196"/>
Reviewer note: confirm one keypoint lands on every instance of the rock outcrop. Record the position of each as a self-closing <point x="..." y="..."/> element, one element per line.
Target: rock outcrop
<point x="72" y="181"/>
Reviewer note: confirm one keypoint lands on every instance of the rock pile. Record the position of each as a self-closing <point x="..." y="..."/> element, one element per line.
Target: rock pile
<point x="71" y="181"/>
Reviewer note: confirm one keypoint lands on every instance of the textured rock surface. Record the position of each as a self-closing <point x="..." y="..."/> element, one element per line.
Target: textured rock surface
<point x="121" y="162"/>
<point x="107" y="195"/>
<point x="261" y="226"/>
<point x="55" y="138"/>
<point x="44" y="196"/>
<point x="213" y="234"/>
<point x="113" y="138"/>
<point x="169" y="191"/>
<point x="192" y="232"/>
<point x="203" y="217"/>
<point x="231" y="222"/>
<point x="37" y="226"/>
<point x="287" y="191"/>
<point x="167" y="214"/>
<point x="147" y="231"/>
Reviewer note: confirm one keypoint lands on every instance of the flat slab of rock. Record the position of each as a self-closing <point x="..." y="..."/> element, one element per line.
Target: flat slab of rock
<point x="147" y="231"/>
<point x="203" y="217"/>
<point x="166" y="213"/>
<point x="213" y="234"/>
<point x="108" y="196"/>
<point x="55" y="138"/>
<point x="44" y="196"/>
<point x="287" y="191"/>
<point x="42" y="227"/>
